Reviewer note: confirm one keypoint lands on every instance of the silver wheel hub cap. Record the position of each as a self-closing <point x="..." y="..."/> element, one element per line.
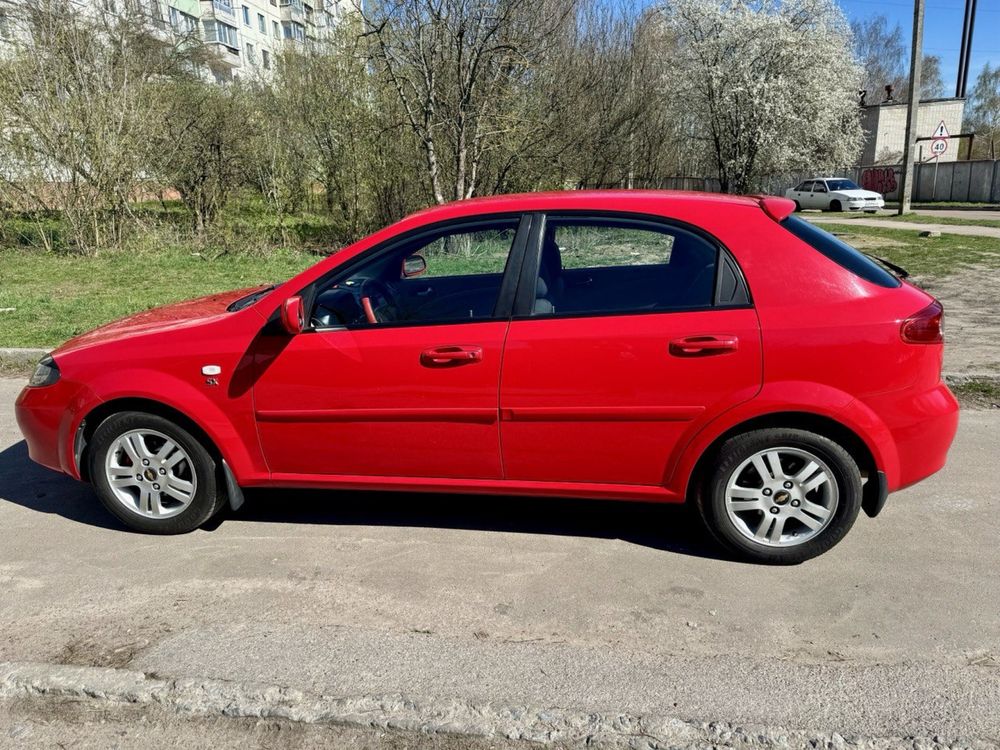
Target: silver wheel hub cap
<point x="780" y="497"/>
<point x="150" y="474"/>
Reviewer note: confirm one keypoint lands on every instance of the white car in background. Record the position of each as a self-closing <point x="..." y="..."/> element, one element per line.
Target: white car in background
<point x="834" y="194"/>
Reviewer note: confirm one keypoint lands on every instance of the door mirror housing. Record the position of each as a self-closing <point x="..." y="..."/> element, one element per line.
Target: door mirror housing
<point x="293" y="316"/>
<point x="413" y="265"/>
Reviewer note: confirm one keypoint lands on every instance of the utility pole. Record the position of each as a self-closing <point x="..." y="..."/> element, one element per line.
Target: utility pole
<point x="912" y="107"/>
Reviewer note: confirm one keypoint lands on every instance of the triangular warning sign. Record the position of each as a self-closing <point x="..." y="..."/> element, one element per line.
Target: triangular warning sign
<point x="941" y="131"/>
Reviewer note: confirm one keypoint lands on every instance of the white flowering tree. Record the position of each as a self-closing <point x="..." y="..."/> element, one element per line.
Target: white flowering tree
<point x="772" y="84"/>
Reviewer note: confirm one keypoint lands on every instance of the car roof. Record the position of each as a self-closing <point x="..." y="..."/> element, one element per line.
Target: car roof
<point x="613" y="200"/>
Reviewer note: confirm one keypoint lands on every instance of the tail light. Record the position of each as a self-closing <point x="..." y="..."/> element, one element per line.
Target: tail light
<point x="926" y="327"/>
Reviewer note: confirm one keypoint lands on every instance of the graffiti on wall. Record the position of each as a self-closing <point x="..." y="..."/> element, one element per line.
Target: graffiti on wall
<point x="880" y="179"/>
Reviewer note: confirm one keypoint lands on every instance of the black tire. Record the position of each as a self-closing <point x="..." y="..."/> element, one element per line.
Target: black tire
<point x="798" y="206"/>
<point x="835" y="206"/>
<point x="209" y="495"/>
<point x="738" y="449"/>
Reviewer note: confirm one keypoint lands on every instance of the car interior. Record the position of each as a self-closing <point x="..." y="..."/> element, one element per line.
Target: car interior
<point x="615" y="267"/>
<point x="684" y="279"/>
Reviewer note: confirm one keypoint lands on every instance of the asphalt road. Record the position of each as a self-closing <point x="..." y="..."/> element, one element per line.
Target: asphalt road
<point x="576" y="605"/>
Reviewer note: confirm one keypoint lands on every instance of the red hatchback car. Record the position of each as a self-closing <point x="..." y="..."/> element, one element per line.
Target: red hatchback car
<point x="651" y="346"/>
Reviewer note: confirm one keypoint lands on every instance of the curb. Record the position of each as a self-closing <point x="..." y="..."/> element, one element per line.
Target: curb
<point x="18" y="360"/>
<point x="218" y="698"/>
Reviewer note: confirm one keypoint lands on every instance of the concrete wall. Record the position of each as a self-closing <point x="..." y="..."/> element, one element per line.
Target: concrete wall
<point x="885" y="129"/>
<point x="961" y="181"/>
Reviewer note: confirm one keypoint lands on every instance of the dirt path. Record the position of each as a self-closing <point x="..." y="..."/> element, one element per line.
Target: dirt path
<point x="971" y="299"/>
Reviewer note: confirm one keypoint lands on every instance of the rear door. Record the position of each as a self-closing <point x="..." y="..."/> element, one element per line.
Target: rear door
<point x="626" y="330"/>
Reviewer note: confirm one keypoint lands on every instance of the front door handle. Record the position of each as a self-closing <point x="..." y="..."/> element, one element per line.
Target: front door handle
<point x="451" y="356"/>
<point x="703" y="346"/>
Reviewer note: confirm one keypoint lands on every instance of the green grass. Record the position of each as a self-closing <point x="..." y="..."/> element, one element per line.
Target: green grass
<point x="944" y="220"/>
<point x="977" y="393"/>
<point x="921" y="256"/>
<point x="57" y="296"/>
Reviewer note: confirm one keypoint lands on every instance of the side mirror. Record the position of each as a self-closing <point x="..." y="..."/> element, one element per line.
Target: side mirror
<point x="293" y="316"/>
<point x="414" y="265"/>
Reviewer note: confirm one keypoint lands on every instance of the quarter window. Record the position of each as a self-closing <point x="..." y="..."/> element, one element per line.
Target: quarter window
<point x="601" y="266"/>
<point x="453" y="275"/>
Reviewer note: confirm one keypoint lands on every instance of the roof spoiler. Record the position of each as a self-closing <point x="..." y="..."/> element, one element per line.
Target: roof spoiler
<point x="777" y="208"/>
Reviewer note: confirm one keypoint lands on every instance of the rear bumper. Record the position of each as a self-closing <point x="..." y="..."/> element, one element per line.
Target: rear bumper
<point x="923" y="425"/>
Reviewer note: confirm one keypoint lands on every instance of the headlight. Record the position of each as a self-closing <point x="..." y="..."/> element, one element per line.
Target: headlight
<point x="46" y="373"/>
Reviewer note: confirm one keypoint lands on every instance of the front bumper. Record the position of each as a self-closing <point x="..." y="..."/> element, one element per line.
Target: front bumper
<point x="866" y="205"/>
<point x="46" y="417"/>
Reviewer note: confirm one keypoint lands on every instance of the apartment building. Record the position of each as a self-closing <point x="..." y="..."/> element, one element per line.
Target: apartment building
<point x="245" y="35"/>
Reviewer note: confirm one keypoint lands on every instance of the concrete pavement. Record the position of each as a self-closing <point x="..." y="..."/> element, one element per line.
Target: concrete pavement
<point x="526" y="606"/>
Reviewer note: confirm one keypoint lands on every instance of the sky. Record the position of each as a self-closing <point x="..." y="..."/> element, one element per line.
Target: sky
<point x="942" y="31"/>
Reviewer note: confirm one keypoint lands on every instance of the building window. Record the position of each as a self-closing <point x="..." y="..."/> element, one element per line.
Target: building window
<point x="216" y="31"/>
<point x="265" y="57"/>
<point x="4" y="26"/>
<point x="181" y="22"/>
<point x="294" y="30"/>
<point x="276" y="29"/>
<point x="246" y="16"/>
<point x="224" y="6"/>
<point x="251" y="53"/>
<point x="261" y="23"/>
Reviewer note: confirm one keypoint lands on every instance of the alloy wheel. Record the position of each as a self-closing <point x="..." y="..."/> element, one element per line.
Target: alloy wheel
<point x="150" y="474"/>
<point x="781" y="497"/>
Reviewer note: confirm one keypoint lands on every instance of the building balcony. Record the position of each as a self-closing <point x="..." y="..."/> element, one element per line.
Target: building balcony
<point x="224" y="9"/>
<point x="227" y="56"/>
<point x="292" y="10"/>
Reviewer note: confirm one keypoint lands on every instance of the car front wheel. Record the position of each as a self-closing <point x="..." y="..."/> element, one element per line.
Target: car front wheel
<point x="781" y="495"/>
<point x="836" y="206"/>
<point x="153" y="475"/>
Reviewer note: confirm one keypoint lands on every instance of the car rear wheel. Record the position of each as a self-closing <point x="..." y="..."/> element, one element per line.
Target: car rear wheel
<point x="154" y="475"/>
<point x="781" y="495"/>
<point x="835" y="206"/>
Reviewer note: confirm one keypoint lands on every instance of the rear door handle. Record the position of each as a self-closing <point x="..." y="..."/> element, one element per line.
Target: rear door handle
<point x="451" y="356"/>
<point x="703" y="346"/>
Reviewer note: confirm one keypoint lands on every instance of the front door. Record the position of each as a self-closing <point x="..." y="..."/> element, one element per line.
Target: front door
<point x="399" y="374"/>
<point x="636" y="329"/>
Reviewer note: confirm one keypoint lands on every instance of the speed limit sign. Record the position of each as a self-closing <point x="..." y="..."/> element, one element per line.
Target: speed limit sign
<point x="939" y="146"/>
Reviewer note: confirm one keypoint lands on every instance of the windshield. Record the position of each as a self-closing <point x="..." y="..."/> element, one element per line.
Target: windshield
<point x="842" y="185"/>
<point x="245" y="302"/>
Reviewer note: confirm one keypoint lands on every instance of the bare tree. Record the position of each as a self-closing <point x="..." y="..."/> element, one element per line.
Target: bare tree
<point x="984" y="112"/>
<point x="456" y="67"/>
<point x="78" y="104"/>
<point x="200" y="145"/>
<point x="881" y="52"/>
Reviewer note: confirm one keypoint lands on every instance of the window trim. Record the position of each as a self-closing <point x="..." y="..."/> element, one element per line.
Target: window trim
<point x="505" y="295"/>
<point x="525" y="297"/>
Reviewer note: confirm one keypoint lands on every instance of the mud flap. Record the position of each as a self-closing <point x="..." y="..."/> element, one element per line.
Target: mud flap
<point x="875" y="495"/>
<point x="233" y="490"/>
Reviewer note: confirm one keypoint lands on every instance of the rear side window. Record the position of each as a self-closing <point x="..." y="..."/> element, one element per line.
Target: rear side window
<point x="840" y="252"/>
<point x="594" y="266"/>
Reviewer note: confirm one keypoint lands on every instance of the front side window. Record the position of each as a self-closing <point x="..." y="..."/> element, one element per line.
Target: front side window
<point x="452" y="275"/>
<point x="602" y="266"/>
<point x="820" y="186"/>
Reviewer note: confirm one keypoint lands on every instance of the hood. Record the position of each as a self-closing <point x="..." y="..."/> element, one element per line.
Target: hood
<point x="169" y="317"/>
<point x="859" y="193"/>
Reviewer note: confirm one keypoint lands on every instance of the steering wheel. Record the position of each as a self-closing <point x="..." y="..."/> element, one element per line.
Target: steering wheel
<point x="377" y="301"/>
